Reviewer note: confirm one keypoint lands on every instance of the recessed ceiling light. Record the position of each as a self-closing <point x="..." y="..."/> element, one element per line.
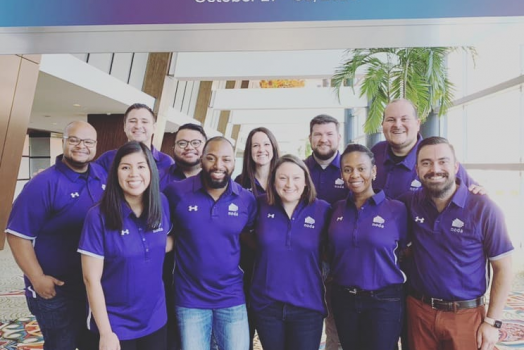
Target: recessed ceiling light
<point x="76" y="105"/>
<point x="47" y="116"/>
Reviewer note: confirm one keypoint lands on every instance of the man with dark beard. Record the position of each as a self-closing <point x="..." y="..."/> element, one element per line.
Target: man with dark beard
<point x="43" y="232"/>
<point x="324" y="168"/>
<point x="209" y="213"/>
<point x="187" y="151"/>
<point x="454" y="234"/>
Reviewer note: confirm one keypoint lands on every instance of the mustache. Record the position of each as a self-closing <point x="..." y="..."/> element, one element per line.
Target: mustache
<point x="428" y="175"/>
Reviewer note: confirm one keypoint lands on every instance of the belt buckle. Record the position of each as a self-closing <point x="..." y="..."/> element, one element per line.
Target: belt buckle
<point x="433" y="303"/>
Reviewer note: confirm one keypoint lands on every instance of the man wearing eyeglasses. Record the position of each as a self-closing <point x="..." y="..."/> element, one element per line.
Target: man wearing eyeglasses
<point x="43" y="231"/>
<point x="187" y="151"/>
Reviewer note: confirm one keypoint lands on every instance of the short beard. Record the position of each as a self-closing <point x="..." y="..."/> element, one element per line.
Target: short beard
<point x="187" y="165"/>
<point x="213" y="183"/>
<point x="74" y="164"/>
<point x="326" y="156"/>
<point x="439" y="191"/>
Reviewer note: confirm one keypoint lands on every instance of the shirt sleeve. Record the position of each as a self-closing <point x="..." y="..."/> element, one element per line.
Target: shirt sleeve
<point x="31" y="208"/>
<point x="92" y="237"/>
<point x="497" y="243"/>
<point x="252" y="211"/>
<point x="166" y="215"/>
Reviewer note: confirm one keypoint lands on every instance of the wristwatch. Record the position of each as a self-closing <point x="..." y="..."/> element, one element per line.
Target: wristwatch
<point x="493" y="322"/>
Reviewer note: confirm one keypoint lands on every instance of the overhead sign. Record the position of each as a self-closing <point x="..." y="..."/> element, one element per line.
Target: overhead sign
<point x="37" y="13"/>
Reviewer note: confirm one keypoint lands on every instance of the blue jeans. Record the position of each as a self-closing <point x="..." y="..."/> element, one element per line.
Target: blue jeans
<point x="62" y="321"/>
<point x="370" y="320"/>
<point x="229" y="327"/>
<point x="286" y="327"/>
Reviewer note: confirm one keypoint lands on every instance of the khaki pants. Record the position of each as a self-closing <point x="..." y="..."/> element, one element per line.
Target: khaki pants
<point x="430" y="329"/>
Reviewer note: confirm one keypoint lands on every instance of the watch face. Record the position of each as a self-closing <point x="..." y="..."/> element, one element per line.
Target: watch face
<point x="498" y="324"/>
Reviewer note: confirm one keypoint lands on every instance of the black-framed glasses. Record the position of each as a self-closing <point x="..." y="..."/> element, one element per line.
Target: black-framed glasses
<point x="184" y="143"/>
<point x="76" y="141"/>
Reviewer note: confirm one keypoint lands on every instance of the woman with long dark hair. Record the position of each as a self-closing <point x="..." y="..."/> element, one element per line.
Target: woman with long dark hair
<point x="123" y="244"/>
<point x="366" y="233"/>
<point x="287" y="292"/>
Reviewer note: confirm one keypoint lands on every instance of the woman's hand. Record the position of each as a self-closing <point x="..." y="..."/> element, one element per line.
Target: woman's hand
<point x="109" y="341"/>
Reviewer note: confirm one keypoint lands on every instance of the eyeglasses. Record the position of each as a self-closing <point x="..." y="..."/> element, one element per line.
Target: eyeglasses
<point x="184" y="143"/>
<point x="76" y="141"/>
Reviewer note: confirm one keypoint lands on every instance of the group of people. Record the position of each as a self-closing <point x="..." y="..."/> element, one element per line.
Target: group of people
<point x="152" y="252"/>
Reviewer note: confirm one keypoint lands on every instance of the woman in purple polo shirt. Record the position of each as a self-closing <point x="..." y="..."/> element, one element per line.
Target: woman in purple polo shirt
<point x="123" y="244"/>
<point x="260" y="156"/>
<point x="287" y="292"/>
<point x="366" y="233"/>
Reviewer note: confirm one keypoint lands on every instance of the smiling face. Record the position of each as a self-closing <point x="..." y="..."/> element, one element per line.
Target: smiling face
<point x="400" y="127"/>
<point x="77" y="157"/>
<point x="358" y="173"/>
<point x="218" y="163"/>
<point x="261" y="149"/>
<point x="324" y="140"/>
<point x="290" y="182"/>
<point x="139" y="125"/>
<point x="189" y="155"/>
<point x="134" y="175"/>
<point x="436" y="168"/>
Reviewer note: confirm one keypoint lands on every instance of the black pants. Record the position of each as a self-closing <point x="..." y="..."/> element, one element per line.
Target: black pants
<point x="156" y="340"/>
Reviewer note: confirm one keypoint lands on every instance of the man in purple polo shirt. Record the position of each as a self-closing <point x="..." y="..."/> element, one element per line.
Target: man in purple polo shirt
<point x="187" y="151"/>
<point x="139" y="125"/>
<point x="209" y="212"/>
<point x="396" y="156"/>
<point x="324" y="167"/>
<point x="43" y="232"/>
<point x="455" y="233"/>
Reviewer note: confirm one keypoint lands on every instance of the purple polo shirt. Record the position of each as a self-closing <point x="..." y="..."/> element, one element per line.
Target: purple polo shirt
<point x="451" y="248"/>
<point x="364" y="243"/>
<point x="170" y="174"/>
<point x="50" y="211"/>
<point x="258" y="186"/>
<point x="328" y="182"/>
<point x="398" y="178"/>
<point x="207" y="243"/>
<point x="162" y="160"/>
<point x="132" y="275"/>
<point x="288" y="257"/>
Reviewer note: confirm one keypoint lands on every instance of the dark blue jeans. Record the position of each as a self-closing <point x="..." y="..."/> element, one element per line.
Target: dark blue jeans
<point x="368" y="321"/>
<point x="285" y="327"/>
<point x="62" y="321"/>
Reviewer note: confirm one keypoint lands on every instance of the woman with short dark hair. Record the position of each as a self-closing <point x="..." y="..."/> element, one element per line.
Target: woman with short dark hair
<point x="123" y="244"/>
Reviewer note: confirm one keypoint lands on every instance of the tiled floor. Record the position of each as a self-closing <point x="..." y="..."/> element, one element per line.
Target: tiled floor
<point x="19" y="331"/>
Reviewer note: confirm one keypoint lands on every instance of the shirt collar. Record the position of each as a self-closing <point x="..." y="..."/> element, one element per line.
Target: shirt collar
<point x="411" y="158"/>
<point x="335" y="162"/>
<point x="72" y="175"/>
<point x="376" y="199"/>
<point x="155" y="153"/>
<point x="198" y="185"/>
<point x="459" y="197"/>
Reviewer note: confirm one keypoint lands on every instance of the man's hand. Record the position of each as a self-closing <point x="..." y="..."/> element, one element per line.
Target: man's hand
<point x="45" y="286"/>
<point x="477" y="189"/>
<point x="487" y="336"/>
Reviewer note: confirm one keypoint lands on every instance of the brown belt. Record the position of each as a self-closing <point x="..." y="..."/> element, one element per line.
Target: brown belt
<point x="443" y="305"/>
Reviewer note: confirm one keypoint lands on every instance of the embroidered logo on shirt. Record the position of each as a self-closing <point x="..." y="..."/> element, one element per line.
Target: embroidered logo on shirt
<point x="271" y="216"/>
<point x="421" y="220"/>
<point x="378" y="221"/>
<point x="124" y="232"/>
<point x="159" y="229"/>
<point x="309" y="222"/>
<point x="339" y="183"/>
<point x="340" y="218"/>
<point x="104" y="187"/>
<point x="75" y="194"/>
<point x="193" y="208"/>
<point x="233" y="210"/>
<point x="415" y="185"/>
<point x="456" y="226"/>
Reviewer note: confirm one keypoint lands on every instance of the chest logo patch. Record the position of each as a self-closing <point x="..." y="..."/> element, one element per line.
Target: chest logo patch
<point x="159" y="229"/>
<point x="378" y="221"/>
<point x="309" y="222"/>
<point x="457" y="225"/>
<point x="415" y="185"/>
<point x="124" y="232"/>
<point x="339" y="183"/>
<point x="75" y="194"/>
<point x="340" y="218"/>
<point x="193" y="208"/>
<point x="233" y="210"/>
<point x="421" y="220"/>
<point x="270" y="216"/>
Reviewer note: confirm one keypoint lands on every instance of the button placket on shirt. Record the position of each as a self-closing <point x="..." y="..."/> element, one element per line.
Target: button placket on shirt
<point x="145" y="242"/>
